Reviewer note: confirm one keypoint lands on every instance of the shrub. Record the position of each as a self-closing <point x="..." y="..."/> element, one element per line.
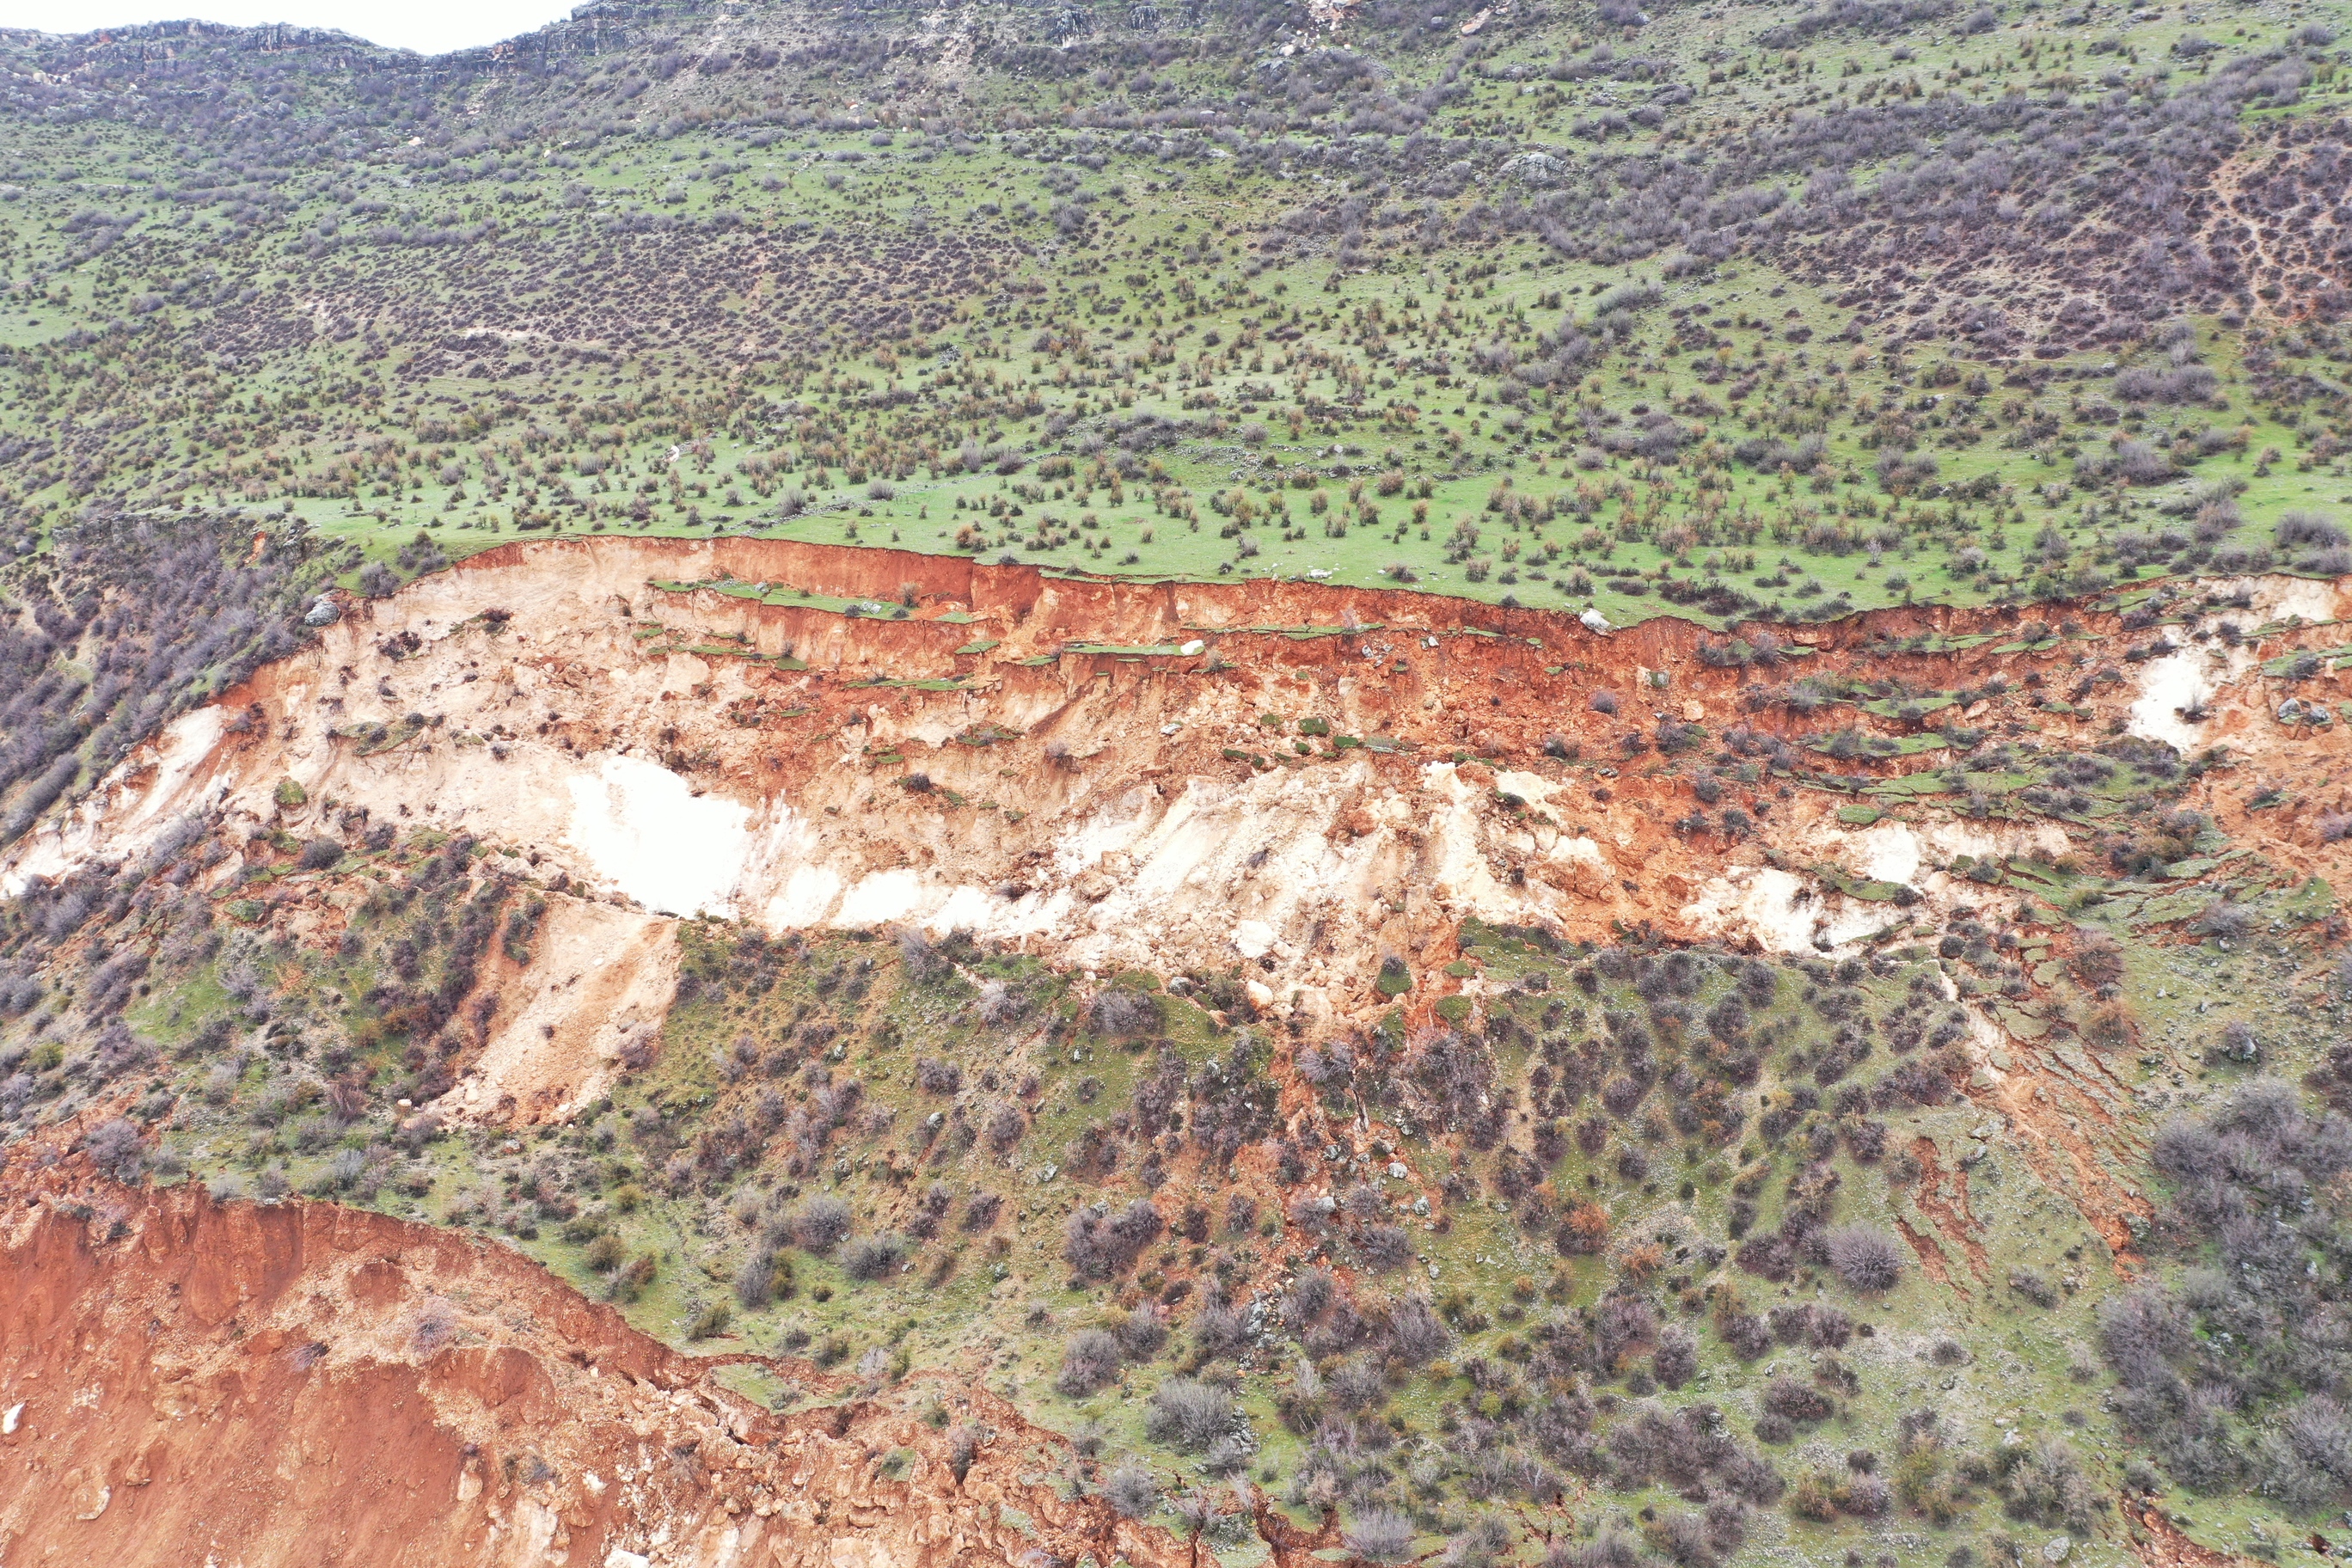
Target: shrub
<point x="1099" y="1244"/>
<point x="2047" y="1484"/>
<point x="114" y="1147"/>
<point x="1219" y="1329"/>
<point x="755" y="1282"/>
<point x="1866" y="1497"/>
<point x="923" y="958"/>
<point x="2238" y="1337"/>
<point x="1417" y="1335"/>
<point x="2176" y="383"/>
<point x="1745" y="1334"/>
<point x="1385" y="1247"/>
<point x="2033" y="1287"/>
<point x="344" y="1171"/>
<point x="1141" y="1333"/>
<point x="872" y="1256"/>
<point x="1814" y="1498"/>
<point x="1188" y="1415"/>
<point x="1380" y="1536"/>
<point x="1122" y="1014"/>
<point x="1131" y="1490"/>
<point x="1794" y="1401"/>
<point x="1358" y="1385"/>
<point x="2309" y="528"/>
<point x="321" y="853"/>
<point x="1089" y="1361"/>
<point x="1610" y="1549"/>
<point x="1866" y="1257"/>
<point x="820" y="1223"/>
<point x="1676" y="1360"/>
<point x="2222" y="920"/>
<point x="2305" y="1460"/>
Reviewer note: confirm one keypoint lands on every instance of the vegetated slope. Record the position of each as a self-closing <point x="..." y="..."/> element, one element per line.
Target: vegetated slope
<point x="1196" y="1003"/>
<point x="1370" y="1070"/>
<point x="299" y="1383"/>
<point x="1783" y="313"/>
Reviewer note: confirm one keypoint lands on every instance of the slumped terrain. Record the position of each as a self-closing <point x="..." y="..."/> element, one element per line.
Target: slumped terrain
<point x="1547" y="787"/>
<point x="1109" y="1002"/>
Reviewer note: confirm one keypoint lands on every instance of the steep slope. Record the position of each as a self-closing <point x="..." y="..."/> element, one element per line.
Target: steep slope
<point x="304" y="1384"/>
<point x="803" y="737"/>
<point x="1398" y="1056"/>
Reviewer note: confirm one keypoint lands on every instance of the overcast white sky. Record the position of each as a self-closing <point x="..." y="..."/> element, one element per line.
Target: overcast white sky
<point x="428" y="26"/>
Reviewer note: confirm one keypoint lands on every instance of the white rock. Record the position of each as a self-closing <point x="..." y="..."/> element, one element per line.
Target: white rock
<point x="616" y="1558"/>
<point x="1190" y="648"/>
<point x="10" y="1419"/>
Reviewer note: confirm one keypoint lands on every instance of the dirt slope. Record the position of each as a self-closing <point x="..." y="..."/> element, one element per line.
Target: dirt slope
<point x="1096" y="801"/>
<point x="1169" y="776"/>
<point x="186" y="1382"/>
<point x="1307" y="781"/>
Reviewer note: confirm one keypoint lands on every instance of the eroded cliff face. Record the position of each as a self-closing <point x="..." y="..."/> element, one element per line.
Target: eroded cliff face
<point x="1306" y="781"/>
<point x="648" y="743"/>
<point x="184" y="1381"/>
<point x="1111" y="774"/>
<point x="1114" y="776"/>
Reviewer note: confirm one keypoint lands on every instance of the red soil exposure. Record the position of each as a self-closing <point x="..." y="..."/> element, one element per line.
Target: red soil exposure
<point x="1950" y="1214"/>
<point x="2160" y="1545"/>
<point x="188" y="1382"/>
<point x="1109" y="810"/>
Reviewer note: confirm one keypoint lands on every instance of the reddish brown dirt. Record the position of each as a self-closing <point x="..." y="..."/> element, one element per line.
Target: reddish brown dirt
<point x="1931" y="1257"/>
<point x="1081" y="738"/>
<point x="1950" y="1214"/>
<point x="2064" y="1154"/>
<point x="2160" y="1545"/>
<point x="304" y="1385"/>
